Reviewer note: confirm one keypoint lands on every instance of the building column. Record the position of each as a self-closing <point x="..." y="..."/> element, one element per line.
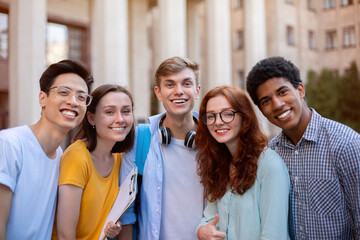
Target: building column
<point x="27" y="27"/>
<point x="256" y="48"/>
<point x="141" y="86"/>
<point x="218" y="43"/>
<point x="110" y="57"/>
<point x="255" y="32"/>
<point x="172" y="32"/>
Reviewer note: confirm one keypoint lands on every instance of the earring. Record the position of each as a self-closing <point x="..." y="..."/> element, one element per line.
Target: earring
<point x="93" y="126"/>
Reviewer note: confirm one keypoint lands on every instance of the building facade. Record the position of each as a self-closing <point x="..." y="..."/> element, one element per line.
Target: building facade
<point x="123" y="42"/>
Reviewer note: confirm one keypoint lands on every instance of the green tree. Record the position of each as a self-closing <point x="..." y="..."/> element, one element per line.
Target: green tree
<point x="336" y="97"/>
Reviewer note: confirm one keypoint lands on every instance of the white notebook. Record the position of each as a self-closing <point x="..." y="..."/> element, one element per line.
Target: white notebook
<point x="123" y="200"/>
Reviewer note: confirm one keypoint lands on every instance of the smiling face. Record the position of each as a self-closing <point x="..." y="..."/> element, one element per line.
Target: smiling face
<point x="113" y="117"/>
<point x="227" y="133"/>
<point x="178" y="92"/>
<point x="64" y="114"/>
<point x="284" y="106"/>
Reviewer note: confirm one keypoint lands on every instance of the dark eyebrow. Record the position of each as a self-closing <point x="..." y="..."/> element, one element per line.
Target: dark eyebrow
<point x="281" y="88"/>
<point x="277" y="90"/>
<point x="80" y="91"/>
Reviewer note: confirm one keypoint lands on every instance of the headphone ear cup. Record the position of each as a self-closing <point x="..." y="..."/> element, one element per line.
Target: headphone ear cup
<point x="165" y="135"/>
<point x="189" y="141"/>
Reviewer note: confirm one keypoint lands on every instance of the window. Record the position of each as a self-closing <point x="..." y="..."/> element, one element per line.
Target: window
<point x="329" y="4"/>
<point x="330" y="40"/>
<point x="349" y="37"/>
<point x="63" y="41"/>
<point x="238" y="4"/>
<point x="346" y="2"/>
<point x="239" y="40"/>
<point x="310" y="4"/>
<point x="4" y="35"/>
<point x="311" y="40"/>
<point x="290" y="35"/>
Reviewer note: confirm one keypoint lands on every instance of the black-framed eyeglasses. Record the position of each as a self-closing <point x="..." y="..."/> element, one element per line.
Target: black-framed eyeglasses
<point x="65" y="93"/>
<point x="227" y="116"/>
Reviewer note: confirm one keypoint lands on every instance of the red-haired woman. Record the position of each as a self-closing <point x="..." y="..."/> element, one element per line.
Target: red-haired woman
<point x="246" y="183"/>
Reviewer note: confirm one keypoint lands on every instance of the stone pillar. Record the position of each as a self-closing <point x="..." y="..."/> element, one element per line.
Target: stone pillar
<point x="172" y="32"/>
<point x="255" y="32"/>
<point x="110" y="57"/>
<point x="256" y="48"/>
<point x="218" y="43"/>
<point x="141" y="87"/>
<point x="27" y="26"/>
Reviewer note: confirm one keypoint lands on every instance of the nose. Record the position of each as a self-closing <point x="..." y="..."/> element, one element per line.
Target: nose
<point x="119" y="117"/>
<point x="277" y="103"/>
<point x="218" y="120"/>
<point x="178" y="90"/>
<point x="72" y="100"/>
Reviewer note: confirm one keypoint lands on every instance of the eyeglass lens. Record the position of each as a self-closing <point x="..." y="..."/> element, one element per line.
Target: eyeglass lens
<point x="64" y="93"/>
<point x="226" y="116"/>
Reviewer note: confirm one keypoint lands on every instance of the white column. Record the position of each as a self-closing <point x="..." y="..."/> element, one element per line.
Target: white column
<point x="139" y="70"/>
<point x="194" y="30"/>
<point x="255" y="47"/>
<point x="27" y="26"/>
<point x="172" y="28"/>
<point x="218" y="43"/>
<point x="110" y="61"/>
<point x="255" y="32"/>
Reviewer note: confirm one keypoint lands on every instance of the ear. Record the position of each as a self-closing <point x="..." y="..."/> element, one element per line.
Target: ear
<point x="301" y="90"/>
<point x="42" y="99"/>
<point x="90" y="118"/>
<point x="197" y="92"/>
<point x="157" y="93"/>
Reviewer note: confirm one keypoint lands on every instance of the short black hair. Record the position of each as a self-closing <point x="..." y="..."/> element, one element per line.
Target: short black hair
<point x="65" y="66"/>
<point x="269" y="68"/>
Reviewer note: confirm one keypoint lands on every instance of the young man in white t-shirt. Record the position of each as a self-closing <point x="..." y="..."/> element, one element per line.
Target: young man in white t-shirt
<point x="171" y="195"/>
<point x="30" y="155"/>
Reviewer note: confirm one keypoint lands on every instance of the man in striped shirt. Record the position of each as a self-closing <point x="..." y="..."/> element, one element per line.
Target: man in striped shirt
<point x="322" y="156"/>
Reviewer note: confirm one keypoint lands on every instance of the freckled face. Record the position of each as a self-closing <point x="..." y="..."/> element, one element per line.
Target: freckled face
<point x="227" y="133"/>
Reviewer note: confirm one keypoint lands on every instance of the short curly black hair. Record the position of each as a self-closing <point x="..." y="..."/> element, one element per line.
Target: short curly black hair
<point x="269" y="68"/>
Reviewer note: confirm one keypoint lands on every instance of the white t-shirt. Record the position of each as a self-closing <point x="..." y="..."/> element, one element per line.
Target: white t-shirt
<point x="33" y="179"/>
<point x="183" y="194"/>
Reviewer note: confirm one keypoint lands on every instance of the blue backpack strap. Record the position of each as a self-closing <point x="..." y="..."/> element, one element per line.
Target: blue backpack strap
<point x="142" y="146"/>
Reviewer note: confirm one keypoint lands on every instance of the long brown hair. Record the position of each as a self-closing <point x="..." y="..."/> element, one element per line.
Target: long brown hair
<point x="87" y="131"/>
<point x="214" y="158"/>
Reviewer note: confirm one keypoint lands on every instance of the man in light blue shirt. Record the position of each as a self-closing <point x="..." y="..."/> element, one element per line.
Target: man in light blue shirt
<point x="30" y="155"/>
<point x="322" y="156"/>
<point x="171" y="195"/>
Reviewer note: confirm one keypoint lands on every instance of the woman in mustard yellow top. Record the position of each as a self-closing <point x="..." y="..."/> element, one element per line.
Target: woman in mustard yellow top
<point x="89" y="168"/>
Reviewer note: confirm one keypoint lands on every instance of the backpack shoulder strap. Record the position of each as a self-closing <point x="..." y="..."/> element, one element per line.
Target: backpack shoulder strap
<point x="142" y="146"/>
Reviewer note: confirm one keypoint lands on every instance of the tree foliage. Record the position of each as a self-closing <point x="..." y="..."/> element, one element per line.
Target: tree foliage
<point x="336" y="97"/>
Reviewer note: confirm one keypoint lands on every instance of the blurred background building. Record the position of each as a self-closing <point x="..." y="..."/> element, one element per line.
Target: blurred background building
<point x="123" y="42"/>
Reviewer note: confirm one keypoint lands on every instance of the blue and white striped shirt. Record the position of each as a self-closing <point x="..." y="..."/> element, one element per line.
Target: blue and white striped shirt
<point x="324" y="169"/>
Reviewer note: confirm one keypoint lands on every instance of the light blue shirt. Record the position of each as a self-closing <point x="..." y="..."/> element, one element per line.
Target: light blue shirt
<point x="151" y="194"/>
<point x="33" y="179"/>
<point x="262" y="211"/>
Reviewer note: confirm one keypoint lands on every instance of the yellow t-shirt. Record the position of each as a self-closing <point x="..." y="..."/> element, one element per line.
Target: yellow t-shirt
<point x="99" y="194"/>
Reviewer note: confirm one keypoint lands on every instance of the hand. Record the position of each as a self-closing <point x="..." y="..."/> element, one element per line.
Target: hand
<point x="112" y="230"/>
<point x="209" y="231"/>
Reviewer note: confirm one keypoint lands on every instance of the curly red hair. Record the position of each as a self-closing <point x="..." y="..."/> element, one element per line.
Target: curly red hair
<point x="214" y="159"/>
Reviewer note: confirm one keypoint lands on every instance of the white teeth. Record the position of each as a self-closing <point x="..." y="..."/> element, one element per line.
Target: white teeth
<point x="179" y="101"/>
<point x="118" y="129"/>
<point x="222" y="131"/>
<point x="69" y="113"/>
<point x="285" y="114"/>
